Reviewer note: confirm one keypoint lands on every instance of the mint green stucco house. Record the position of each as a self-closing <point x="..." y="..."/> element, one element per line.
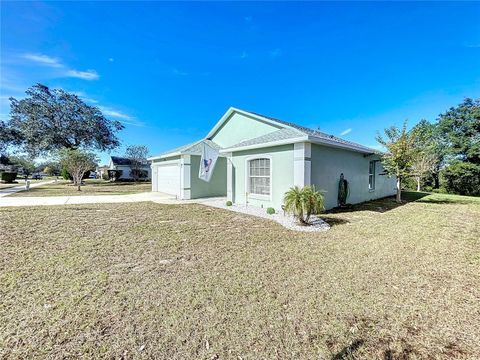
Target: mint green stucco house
<point x="262" y="157"/>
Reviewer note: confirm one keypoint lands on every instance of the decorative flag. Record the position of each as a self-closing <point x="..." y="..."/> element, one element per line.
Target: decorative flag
<point x="207" y="162"/>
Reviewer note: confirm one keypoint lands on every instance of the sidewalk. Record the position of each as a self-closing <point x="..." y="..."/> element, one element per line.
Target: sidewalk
<point x="13" y="190"/>
<point x="88" y="199"/>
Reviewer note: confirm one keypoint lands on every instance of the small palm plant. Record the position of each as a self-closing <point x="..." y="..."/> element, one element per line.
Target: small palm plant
<point x="294" y="203"/>
<point x="303" y="202"/>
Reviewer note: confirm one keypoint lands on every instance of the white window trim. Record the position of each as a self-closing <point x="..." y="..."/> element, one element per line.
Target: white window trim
<point x="371" y="189"/>
<point x="247" y="177"/>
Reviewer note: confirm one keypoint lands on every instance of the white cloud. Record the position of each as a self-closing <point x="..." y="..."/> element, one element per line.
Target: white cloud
<point x="179" y="72"/>
<point x="49" y="61"/>
<point x="85" y="75"/>
<point x="121" y="116"/>
<point x="44" y="60"/>
<point x="115" y="113"/>
<point x="346" y="131"/>
<point x="84" y="97"/>
<point x="275" y="53"/>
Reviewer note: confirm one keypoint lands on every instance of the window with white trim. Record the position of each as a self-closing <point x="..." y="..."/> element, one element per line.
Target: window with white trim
<point x="259" y="176"/>
<point x="371" y="175"/>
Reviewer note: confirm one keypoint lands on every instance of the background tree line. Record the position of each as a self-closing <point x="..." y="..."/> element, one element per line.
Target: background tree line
<point x="442" y="156"/>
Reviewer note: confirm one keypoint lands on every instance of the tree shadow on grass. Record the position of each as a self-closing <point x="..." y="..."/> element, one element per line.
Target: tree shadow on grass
<point x="380" y="205"/>
<point x="434" y="198"/>
<point x="348" y="351"/>
<point x="334" y="221"/>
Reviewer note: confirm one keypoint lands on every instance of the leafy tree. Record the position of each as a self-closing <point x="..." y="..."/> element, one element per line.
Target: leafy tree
<point x="303" y="202"/>
<point x="424" y="164"/>
<point x="51" y="167"/>
<point x="25" y="162"/>
<point x="77" y="163"/>
<point x="400" y="156"/>
<point x="428" y="144"/>
<point x="8" y="136"/>
<point x="53" y="119"/>
<point x="5" y="160"/>
<point x="459" y="130"/>
<point x="137" y="154"/>
<point x="462" y="177"/>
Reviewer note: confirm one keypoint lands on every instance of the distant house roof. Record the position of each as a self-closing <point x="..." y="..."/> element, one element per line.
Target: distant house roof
<point x="117" y="160"/>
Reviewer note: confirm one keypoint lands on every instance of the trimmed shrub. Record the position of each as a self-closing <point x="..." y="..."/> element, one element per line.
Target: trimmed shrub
<point x="270" y="211"/>
<point x="461" y="177"/>
<point x="229" y="203"/>
<point x="8" y="176"/>
<point x="105" y="176"/>
<point x="114" y="175"/>
<point x="65" y="174"/>
<point x="139" y="174"/>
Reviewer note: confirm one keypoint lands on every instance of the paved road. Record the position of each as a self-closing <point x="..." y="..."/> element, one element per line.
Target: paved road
<point x="88" y="199"/>
<point x="13" y="190"/>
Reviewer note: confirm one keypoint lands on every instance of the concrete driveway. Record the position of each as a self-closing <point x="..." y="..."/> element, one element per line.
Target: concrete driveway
<point x="88" y="199"/>
<point x="13" y="190"/>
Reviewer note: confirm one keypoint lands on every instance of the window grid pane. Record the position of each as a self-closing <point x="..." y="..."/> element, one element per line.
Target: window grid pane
<point x="371" y="175"/>
<point x="259" y="176"/>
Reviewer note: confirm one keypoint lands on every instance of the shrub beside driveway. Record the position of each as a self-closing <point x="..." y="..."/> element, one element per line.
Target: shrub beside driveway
<point x="188" y="281"/>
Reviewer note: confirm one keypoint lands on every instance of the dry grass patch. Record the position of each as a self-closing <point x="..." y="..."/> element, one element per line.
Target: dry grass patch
<point x="7" y="186"/>
<point x="91" y="187"/>
<point x="186" y="281"/>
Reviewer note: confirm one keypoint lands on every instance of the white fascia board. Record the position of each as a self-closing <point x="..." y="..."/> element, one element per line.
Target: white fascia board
<point x="333" y="143"/>
<point x="309" y="138"/>
<point x="178" y="153"/>
<point x="164" y="156"/>
<point x="268" y="144"/>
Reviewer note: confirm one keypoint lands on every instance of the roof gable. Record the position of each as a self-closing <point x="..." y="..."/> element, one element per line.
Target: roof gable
<point x="293" y="132"/>
<point x="240" y="129"/>
<point x="237" y="126"/>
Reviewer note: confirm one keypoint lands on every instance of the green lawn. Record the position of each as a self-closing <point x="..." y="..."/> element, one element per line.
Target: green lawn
<point x="144" y="280"/>
<point x="91" y="187"/>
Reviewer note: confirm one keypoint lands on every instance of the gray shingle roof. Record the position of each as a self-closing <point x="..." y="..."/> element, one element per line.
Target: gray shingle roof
<point x="307" y="131"/>
<point x="117" y="160"/>
<point x="292" y="131"/>
<point x="192" y="148"/>
<point x="282" y="134"/>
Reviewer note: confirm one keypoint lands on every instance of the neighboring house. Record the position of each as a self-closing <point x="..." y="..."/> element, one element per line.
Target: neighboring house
<point x="262" y="157"/>
<point x="124" y="164"/>
<point x="101" y="170"/>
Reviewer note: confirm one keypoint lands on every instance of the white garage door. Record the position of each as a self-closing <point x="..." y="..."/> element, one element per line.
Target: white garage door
<point x="168" y="179"/>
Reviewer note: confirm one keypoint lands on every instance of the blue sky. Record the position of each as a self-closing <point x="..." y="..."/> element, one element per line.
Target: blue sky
<point x="169" y="71"/>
